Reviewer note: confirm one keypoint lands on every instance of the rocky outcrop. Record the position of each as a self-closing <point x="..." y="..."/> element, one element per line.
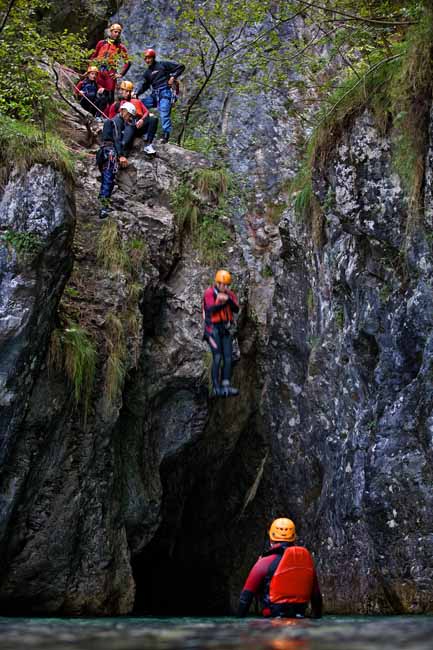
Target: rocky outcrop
<point x="350" y="403"/>
<point x="36" y="229"/>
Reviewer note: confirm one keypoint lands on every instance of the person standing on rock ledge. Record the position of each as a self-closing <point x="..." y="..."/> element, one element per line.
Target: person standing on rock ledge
<point x="111" y="154"/>
<point x="162" y="77"/>
<point x="109" y="54"/>
<point x="219" y="305"/>
<point x="285" y="577"/>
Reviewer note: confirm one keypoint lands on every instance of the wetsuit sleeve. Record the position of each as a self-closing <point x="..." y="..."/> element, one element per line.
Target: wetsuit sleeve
<point x="127" y="64"/>
<point x="78" y="87"/>
<point x="316" y="598"/>
<point x="118" y="136"/>
<point x="144" y="110"/>
<point x="107" y="131"/>
<point x="174" y="69"/>
<point x="112" y="112"/>
<point x="112" y="132"/>
<point x="254" y="583"/>
<point x="209" y="304"/>
<point x="233" y="302"/>
<point x="99" y="44"/>
<point x="143" y="86"/>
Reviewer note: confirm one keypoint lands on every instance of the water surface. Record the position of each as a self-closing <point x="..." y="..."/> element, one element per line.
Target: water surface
<point x="329" y="633"/>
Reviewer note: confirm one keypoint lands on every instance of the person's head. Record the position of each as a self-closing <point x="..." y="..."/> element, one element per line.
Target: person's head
<point x="149" y="56"/>
<point x="128" y="111"/>
<point x="115" y="31"/>
<point x="126" y="88"/>
<point x="92" y="72"/>
<point x="223" y="280"/>
<point x="282" y="530"/>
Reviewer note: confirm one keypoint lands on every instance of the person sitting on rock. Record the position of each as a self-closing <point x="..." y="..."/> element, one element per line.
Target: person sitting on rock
<point x="284" y="577"/>
<point x="111" y="154"/>
<point x="109" y="54"/>
<point x="144" y="124"/>
<point x="162" y="77"/>
<point x="219" y="305"/>
<point x="92" y="97"/>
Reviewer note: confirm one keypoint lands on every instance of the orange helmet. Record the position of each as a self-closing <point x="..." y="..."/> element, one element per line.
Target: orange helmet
<point x="92" y="68"/>
<point x="223" y="276"/>
<point x="115" y="26"/>
<point x="282" y="530"/>
<point x="127" y="85"/>
<point x="149" y="52"/>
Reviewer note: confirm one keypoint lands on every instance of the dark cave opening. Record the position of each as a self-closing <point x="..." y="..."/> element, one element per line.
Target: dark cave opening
<point x="196" y="562"/>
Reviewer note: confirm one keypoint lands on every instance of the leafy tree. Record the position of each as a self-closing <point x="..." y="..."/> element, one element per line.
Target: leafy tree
<point x="29" y="49"/>
<point x="300" y="49"/>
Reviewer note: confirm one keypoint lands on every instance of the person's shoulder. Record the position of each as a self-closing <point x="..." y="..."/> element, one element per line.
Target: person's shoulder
<point x="209" y="291"/>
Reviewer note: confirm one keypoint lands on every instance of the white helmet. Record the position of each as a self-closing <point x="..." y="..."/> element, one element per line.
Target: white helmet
<point x="128" y="106"/>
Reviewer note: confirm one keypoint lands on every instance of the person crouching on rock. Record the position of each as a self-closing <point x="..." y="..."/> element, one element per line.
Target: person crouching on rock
<point x="111" y="154"/>
<point x="284" y="577"/>
<point x="219" y="305"/>
<point x="144" y="124"/>
<point x="90" y="94"/>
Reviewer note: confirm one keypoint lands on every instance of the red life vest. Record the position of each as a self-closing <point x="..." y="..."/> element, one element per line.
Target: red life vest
<point x="111" y="52"/>
<point x="292" y="581"/>
<point x="224" y="314"/>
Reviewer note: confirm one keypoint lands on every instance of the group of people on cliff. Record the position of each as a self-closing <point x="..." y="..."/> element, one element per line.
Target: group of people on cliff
<point x="125" y="116"/>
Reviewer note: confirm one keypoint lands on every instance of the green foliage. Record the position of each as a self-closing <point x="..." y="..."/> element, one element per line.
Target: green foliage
<point x="110" y="251"/>
<point x="274" y="212"/>
<point x="212" y="183"/>
<point x="245" y="46"/>
<point x="24" y="243"/>
<point x="28" y="48"/>
<point x="116" y="348"/>
<point x="185" y="205"/>
<point x="211" y="241"/>
<point x="73" y="351"/>
<point x="199" y="202"/>
<point x="24" y="144"/>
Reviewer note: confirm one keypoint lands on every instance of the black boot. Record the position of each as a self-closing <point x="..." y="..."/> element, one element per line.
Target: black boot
<point x="227" y="390"/>
<point x="216" y="391"/>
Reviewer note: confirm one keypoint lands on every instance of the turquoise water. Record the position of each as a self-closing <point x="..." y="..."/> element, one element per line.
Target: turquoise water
<point x="329" y="633"/>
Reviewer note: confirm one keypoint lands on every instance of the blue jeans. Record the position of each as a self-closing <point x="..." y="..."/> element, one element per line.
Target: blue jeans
<point x="108" y="166"/>
<point x="161" y="99"/>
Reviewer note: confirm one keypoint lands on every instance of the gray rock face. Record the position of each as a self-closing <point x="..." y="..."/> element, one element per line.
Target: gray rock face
<point x="351" y="382"/>
<point x="36" y="222"/>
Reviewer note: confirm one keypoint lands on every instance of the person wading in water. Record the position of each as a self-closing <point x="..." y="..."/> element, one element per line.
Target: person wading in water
<point x="284" y="577"/>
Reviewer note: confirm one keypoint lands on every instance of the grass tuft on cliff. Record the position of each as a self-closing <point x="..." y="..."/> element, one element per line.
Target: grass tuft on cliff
<point x="397" y="89"/>
<point x="116" y="347"/>
<point x="73" y="352"/>
<point x="24" y="145"/>
<point x="200" y="204"/>
<point x="110" y="252"/>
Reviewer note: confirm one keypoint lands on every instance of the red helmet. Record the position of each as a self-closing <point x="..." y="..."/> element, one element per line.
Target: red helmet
<point x="149" y="52"/>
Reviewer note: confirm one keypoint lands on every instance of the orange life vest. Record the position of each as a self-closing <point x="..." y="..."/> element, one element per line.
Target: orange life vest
<point x="292" y="581"/>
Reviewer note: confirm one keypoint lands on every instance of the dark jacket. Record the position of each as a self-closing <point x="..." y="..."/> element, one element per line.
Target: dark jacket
<point x="158" y="74"/>
<point x="88" y="87"/>
<point x="112" y="134"/>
